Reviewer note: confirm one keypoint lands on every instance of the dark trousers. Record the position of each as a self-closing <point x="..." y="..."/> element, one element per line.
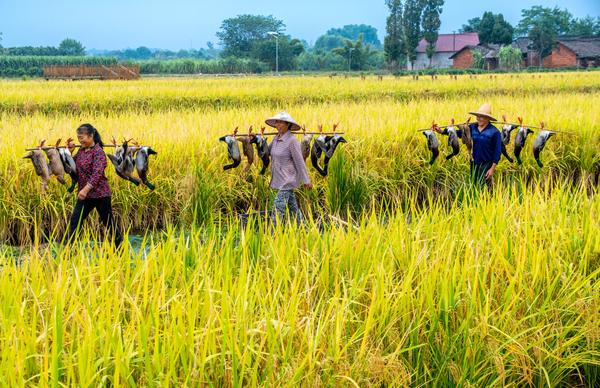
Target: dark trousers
<point x="286" y="204"/>
<point x="478" y="171"/>
<point x="104" y="207"/>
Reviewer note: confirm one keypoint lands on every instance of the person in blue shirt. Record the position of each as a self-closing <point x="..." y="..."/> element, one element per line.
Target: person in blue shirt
<point x="487" y="145"/>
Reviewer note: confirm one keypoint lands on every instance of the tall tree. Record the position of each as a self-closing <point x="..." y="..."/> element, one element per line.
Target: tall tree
<point x="328" y="42"/>
<point x="560" y="18"/>
<point x="353" y="31"/>
<point x="237" y="35"/>
<point x="543" y="25"/>
<point x="393" y="42"/>
<point x="585" y="27"/>
<point x="486" y="27"/>
<point x="471" y="26"/>
<point x="357" y="53"/>
<point x="492" y="28"/>
<point x="289" y="50"/>
<point x="503" y="31"/>
<point x="431" y="25"/>
<point x="411" y="28"/>
<point x="71" y="47"/>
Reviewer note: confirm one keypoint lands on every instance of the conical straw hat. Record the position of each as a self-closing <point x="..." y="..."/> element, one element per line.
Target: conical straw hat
<point x="283" y="116"/>
<point x="484" y="110"/>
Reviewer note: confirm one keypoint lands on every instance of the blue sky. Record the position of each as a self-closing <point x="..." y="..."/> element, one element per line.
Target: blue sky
<point x="175" y="24"/>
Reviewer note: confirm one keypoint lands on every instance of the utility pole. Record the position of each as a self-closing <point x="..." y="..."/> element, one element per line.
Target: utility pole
<point x="276" y="35"/>
<point x="454" y="41"/>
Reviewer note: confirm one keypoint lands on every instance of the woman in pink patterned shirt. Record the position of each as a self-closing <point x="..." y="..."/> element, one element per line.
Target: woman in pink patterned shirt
<point x="288" y="170"/>
<point x="93" y="192"/>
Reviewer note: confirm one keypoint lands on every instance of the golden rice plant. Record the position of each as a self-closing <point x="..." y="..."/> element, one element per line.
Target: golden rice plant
<point x="502" y="290"/>
<point x="404" y="275"/>
<point x="385" y="157"/>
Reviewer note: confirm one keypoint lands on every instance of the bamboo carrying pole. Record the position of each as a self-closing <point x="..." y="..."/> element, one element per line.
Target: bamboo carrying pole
<point x="292" y="132"/>
<point x="503" y="123"/>
<point x="534" y="127"/>
<point x="250" y="132"/>
<point x="79" y="145"/>
<point x="442" y="126"/>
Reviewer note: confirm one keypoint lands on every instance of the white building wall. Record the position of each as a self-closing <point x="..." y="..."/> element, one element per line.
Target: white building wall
<point x="439" y="61"/>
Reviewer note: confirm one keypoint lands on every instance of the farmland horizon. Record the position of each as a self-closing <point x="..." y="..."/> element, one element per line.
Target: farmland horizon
<point x="190" y="25"/>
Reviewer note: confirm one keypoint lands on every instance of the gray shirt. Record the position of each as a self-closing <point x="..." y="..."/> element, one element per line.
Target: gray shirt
<point x="288" y="170"/>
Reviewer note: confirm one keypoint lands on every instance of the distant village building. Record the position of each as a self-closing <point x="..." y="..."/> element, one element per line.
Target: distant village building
<point x="530" y="57"/>
<point x="463" y="59"/>
<point x="446" y="46"/>
<point x="574" y="52"/>
<point x="568" y="52"/>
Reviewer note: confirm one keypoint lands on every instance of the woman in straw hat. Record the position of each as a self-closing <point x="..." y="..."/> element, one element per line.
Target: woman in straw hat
<point x="288" y="170"/>
<point x="487" y="145"/>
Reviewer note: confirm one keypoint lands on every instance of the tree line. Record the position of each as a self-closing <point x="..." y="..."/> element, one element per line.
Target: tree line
<point x="68" y="47"/>
<point x="409" y="21"/>
<point x="258" y="43"/>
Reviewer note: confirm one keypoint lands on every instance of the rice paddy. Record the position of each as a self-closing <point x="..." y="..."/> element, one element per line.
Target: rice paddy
<point x="404" y="276"/>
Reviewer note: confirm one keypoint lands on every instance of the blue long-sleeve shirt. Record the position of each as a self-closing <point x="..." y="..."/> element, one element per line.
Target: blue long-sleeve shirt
<point x="487" y="144"/>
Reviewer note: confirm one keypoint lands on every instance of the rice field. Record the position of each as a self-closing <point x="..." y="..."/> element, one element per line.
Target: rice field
<point x="405" y="275"/>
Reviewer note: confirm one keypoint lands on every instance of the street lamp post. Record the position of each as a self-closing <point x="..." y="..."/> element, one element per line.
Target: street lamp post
<point x="350" y="58"/>
<point x="276" y="35"/>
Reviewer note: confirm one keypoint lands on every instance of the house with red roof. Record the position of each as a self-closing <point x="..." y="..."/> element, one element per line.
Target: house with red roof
<point x="567" y="52"/>
<point x="446" y="46"/>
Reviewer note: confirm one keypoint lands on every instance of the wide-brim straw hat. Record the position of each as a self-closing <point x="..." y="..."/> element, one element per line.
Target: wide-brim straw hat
<point x="283" y="116"/>
<point x="484" y="110"/>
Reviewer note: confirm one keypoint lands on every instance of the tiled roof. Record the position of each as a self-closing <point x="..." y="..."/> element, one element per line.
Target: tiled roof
<point x="523" y="44"/>
<point x="451" y="43"/>
<point x="487" y="50"/>
<point x="583" y="47"/>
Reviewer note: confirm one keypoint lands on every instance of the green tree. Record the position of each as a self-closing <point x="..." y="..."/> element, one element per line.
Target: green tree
<point x="543" y="26"/>
<point x="543" y="37"/>
<point x="357" y="53"/>
<point x="237" y="35"/>
<point x="478" y="60"/>
<point x="503" y="31"/>
<point x="431" y="24"/>
<point x="560" y="19"/>
<point x="486" y="27"/>
<point x="492" y="28"/>
<point x="353" y="31"/>
<point x="471" y="26"/>
<point x="393" y="44"/>
<point x="289" y="50"/>
<point x="509" y="58"/>
<point x="411" y="28"/>
<point x="586" y="27"/>
<point x="328" y="42"/>
<point x="71" y="47"/>
<point x="335" y="37"/>
<point x="321" y="60"/>
<point x="143" y="52"/>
